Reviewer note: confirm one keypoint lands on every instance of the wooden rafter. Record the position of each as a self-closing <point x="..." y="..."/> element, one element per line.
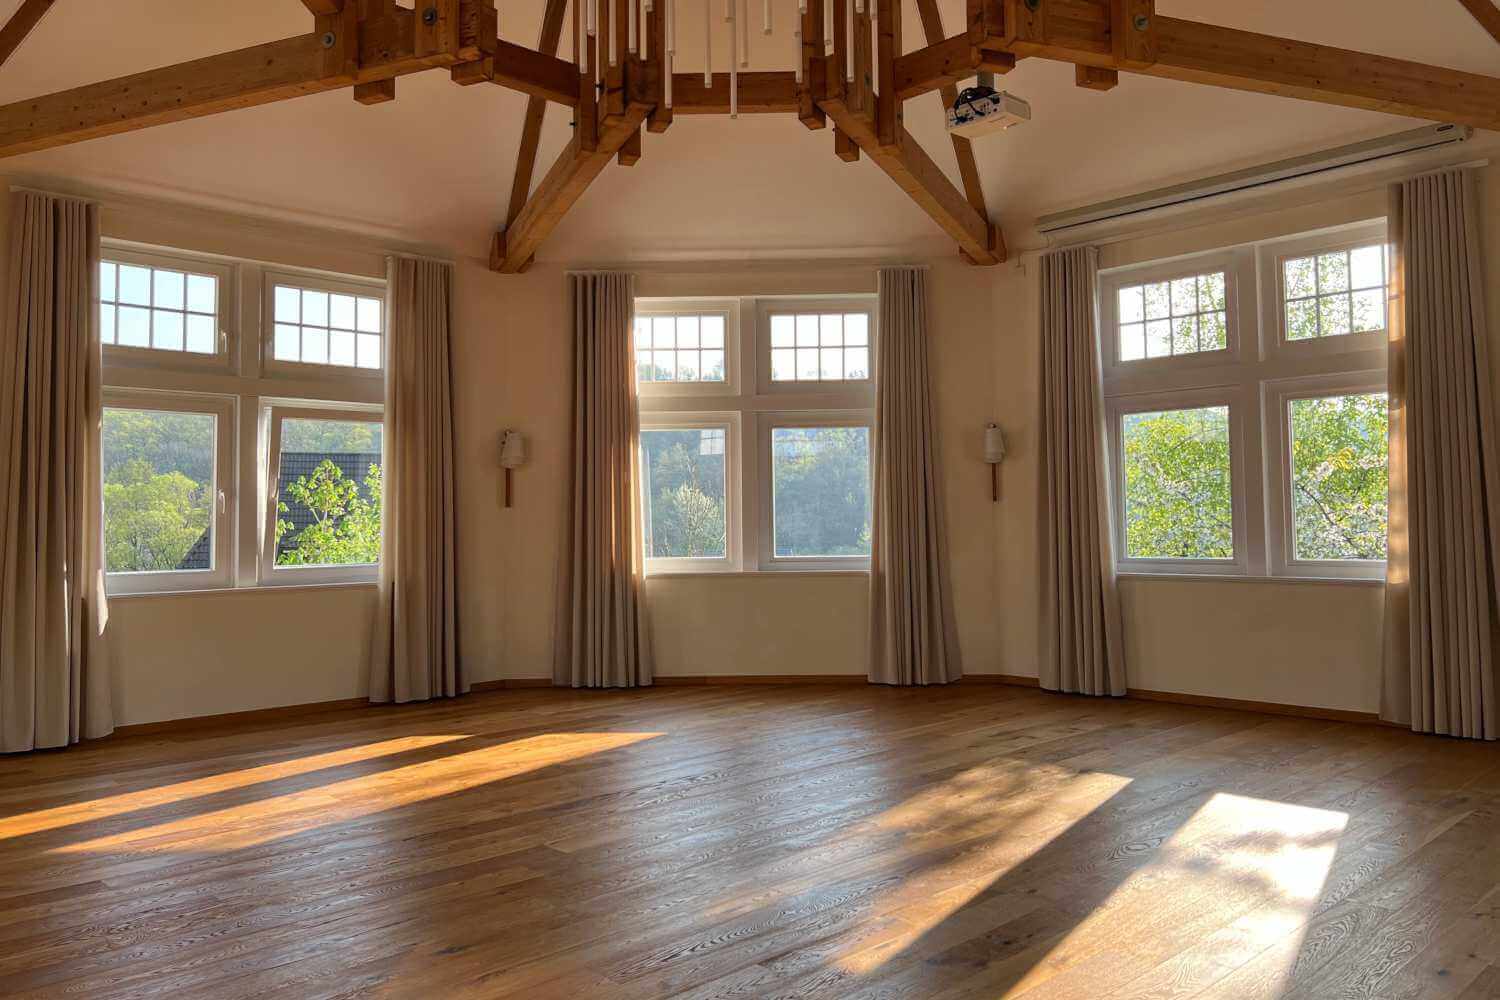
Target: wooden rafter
<point x="572" y="173"/>
<point x="963" y="150"/>
<point x="1486" y="13"/>
<point x="536" y="111"/>
<point x="905" y="162"/>
<point x="20" y="25"/>
<point x="367" y="44"/>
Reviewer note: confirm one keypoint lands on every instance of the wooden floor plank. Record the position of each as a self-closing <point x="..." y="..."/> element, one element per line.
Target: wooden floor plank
<point x="966" y="843"/>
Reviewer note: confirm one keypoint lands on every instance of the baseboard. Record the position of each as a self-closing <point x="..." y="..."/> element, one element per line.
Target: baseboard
<point x="686" y="680"/>
<point x="240" y="718"/>
<point x="1262" y="707"/>
<point x="511" y="683"/>
<point x="288" y="712"/>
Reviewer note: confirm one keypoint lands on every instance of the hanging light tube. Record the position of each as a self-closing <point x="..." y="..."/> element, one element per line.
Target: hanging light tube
<point x="734" y="63"/>
<point x="671" y="29"/>
<point x="630" y="44"/>
<point x="797" y="66"/>
<point x="827" y="25"/>
<point x="708" y="44"/>
<point x="744" y="16"/>
<point x="645" y="31"/>
<point x="765" y="17"/>
<point x="849" y="42"/>
<point x="614" y="34"/>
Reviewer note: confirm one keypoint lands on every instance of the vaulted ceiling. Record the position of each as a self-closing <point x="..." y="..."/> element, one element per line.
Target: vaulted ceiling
<point x="435" y="165"/>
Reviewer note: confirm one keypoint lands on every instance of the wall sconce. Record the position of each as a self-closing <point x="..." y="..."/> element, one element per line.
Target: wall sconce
<point x="512" y="456"/>
<point x="994" y="454"/>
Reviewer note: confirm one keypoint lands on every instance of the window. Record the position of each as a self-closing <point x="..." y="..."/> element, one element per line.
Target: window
<point x="1334" y="294"/>
<point x="223" y="466"/>
<point x="324" y="512"/>
<point x="685" y="493"/>
<point x="1167" y="318"/>
<point x="1248" y="433"/>
<point x="819" y="346"/>
<point x="158" y="309"/>
<point x="820" y="492"/>
<point x="797" y="494"/>
<point x="685" y="347"/>
<point x="333" y="324"/>
<point x="1178" y="501"/>
<point x="166" y="460"/>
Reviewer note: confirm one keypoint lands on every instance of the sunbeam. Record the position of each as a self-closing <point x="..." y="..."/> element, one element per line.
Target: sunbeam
<point x="115" y="805"/>
<point x="257" y="823"/>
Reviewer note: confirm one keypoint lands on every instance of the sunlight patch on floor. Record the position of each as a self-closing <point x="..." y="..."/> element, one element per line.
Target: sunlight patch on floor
<point x="282" y="816"/>
<point x="980" y="805"/>
<point x="1268" y="860"/>
<point x="115" y="805"/>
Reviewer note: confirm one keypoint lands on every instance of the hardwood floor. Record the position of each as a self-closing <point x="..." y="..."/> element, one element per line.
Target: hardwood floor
<point x="809" y="842"/>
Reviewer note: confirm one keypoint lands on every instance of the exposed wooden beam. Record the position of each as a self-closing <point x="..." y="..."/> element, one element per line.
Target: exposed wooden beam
<point x="536" y="73"/>
<point x="760" y="93"/>
<point x="630" y="151"/>
<point x="1079" y="31"/>
<point x="536" y="112"/>
<point x="944" y="62"/>
<point x="261" y="74"/>
<point x="814" y="85"/>
<point x="963" y="150"/>
<point x="1096" y="77"/>
<point x="906" y="163"/>
<point x="375" y="92"/>
<point x="277" y="71"/>
<point x="572" y="173"/>
<point x="321" y="7"/>
<point x="20" y="24"/>
<point x="1486" y="13"/>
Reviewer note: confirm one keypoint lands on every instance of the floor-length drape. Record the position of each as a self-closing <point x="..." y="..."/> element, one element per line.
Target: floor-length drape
<point x="1081" y="637"/>
<point x="602" y="634"/>
<point x="54" y="666"/>
<point x="1443" y="583"/>
<point x="913" y="638"/>
<point x="414" y="652"/>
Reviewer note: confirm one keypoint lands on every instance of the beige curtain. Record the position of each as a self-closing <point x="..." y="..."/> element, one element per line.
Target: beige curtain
<point x="1081" y="638"/>
<point x="1443" y="581"/>
<point x="602" y="634"/>
<point x="54" y="664"/>
<point x="415" y="647"/>
<point x="913" y="639"/>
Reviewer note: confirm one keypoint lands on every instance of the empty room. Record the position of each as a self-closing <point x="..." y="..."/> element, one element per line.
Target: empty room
<point x="750" y="499"/>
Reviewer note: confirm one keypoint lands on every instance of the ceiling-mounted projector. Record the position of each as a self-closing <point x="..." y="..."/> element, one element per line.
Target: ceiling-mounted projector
<point x="980" y="111"/>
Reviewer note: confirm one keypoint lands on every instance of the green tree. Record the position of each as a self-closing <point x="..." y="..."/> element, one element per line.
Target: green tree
<point x="151" y="519"/>
<point x="346" y="523"/>
<point x="685" y="493"/>
<point x="1339" y="481"/>
<point x="1178" y="503"/>
<point x="822" y="491"/>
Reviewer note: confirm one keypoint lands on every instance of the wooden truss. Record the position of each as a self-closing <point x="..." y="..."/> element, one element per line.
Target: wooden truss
<point x="366" y="44"/>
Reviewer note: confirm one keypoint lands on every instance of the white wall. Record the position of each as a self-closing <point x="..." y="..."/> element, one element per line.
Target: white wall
<point x="1301" y="643"/>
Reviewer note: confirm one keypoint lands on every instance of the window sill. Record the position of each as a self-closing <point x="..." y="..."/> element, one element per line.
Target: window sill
<point x="769" y="573"/>
<point x="289" y="588"/>
<point x="1358" y="581"/>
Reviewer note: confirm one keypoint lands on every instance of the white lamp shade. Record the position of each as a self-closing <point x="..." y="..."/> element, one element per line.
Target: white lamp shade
<point x="512" y="449"/>
<point x="994" y="445"/>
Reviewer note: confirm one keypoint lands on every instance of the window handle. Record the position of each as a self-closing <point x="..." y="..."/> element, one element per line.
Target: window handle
<point x="223" y="503"/>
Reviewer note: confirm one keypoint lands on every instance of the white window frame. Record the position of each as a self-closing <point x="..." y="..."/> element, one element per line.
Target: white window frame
<point x="318" y="281"/>
<point x="1273" y="254"/>
<point x="747" y="407"/>
<point x="225" y="272"/>
<point x="273" y="417"/>
<point x="1233" y="399"/>
<point x="727" y="308"/>
<point x="1258" y="369"/>
<point x="856" y="391"/>
<point x="732" y="560"/>
<point x="251" y="386"/>
<point x="1237" y="266"/>
<point x="1279" y="396"/>
<point x="223" y="498"/>
<point x="770" y="422"/>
